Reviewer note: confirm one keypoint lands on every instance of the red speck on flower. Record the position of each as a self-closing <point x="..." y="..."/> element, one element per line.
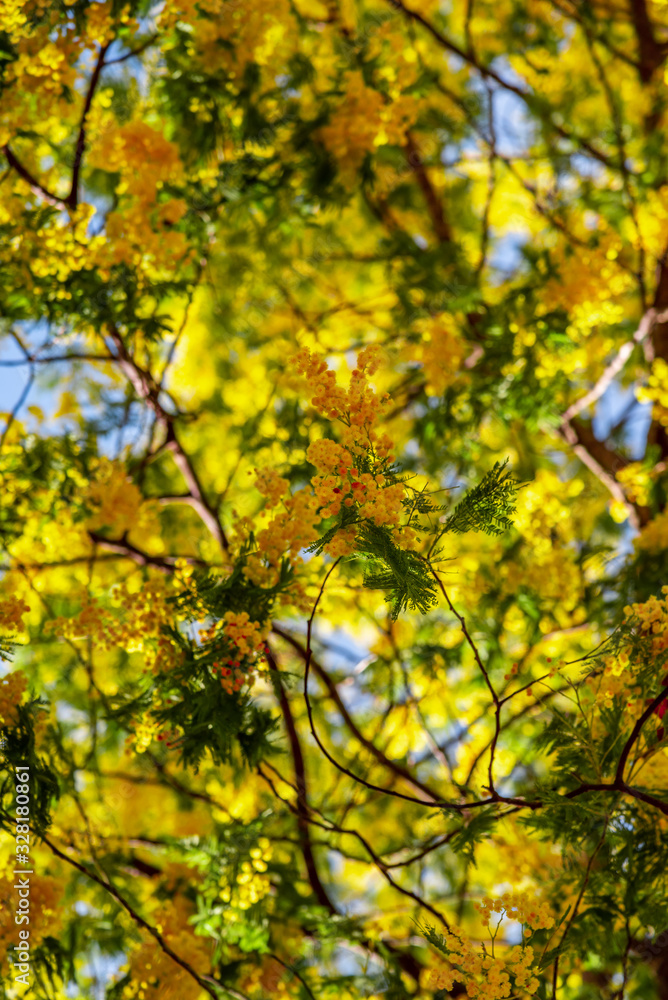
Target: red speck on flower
<point x="336" y="490"/>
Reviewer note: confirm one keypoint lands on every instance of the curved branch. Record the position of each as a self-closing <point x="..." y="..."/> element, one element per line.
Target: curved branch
<point x="34" y="185"/>
<point x="616" y="365"/>
<point x="400" y="771"/>
<point x="635" y="732"/>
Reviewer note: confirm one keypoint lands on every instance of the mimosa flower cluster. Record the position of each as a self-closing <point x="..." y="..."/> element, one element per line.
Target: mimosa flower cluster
<point x="251" y="884"/>
<point x="364" y="120"/>
<point x="133" y="625"/>
<point x="636" y="478"/>
<point x="12" y="610"/>
<point x="345" y="484"/>
<point x="12" y="689"/>
<point x="116" y="501"/>
<point x="46" y="910"/>
<point x="246" y="639"/>
<point x="351" y="471"/>
<point x="184" y="579"/>
<point x="517" y="906"/>
<point x="656" y="391"/>
<point x="358" y="407"/>
<point x="490" y="977"/>
<point x="620" y="677"/>
<point x="288" y="532"/>
<point x="651" y="618"/>
<point x="485" y="977"/>
<point x="14" y="19"/>
<point x="146" y="728"/>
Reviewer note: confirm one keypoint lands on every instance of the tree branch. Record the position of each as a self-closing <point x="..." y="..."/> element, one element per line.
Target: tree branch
<point x="603" y="462"/>
<point x="139" y="920"/>
<point x="148" y="390"/>
<point x="396" y="768"/>
<point x="651" y="53"/>
<point x="35" y="186"/>
<point x="434" y="204"/>
<point x="73" y="197"/>
<point x="635" y="732"/>
<point x="302" y="796"/>
<point x="616" y="365"/>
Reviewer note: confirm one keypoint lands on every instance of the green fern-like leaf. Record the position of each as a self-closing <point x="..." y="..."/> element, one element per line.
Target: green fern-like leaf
<point x="488" y="506"/>
<point x="402" y="573"/>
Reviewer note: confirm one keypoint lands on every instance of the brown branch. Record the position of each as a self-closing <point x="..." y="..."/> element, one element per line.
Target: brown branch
<point x="495" y="698"/>
<point x="618" y="786"/>
<point x="73" y="197"/>
<point x="434" y="204"/>
<point x="140" y="379"/>
<point x="139" y="920"/>
<point x="635" y="732"/>
<point x="651" y="53"/>
<point x="332" y="827"/>
<point x="658" y="434"/>
<point x="134" y="52"/>
<point x="487" y="73"/>
<point x="406" y="961"/>
<point x="455" y="806"/>
<point x="35" y="186"/>
<point x="616" y="365"/>
<point x="302" y="796"/>
<point x="74" y="356"/>
<point x="309" y="708"/>
<point x="603" y="462"/>
<point x="199" y="501"/>
<point x="148" y="390"/>
<point x="129" y="551"/>
<point x="396" y="768"/>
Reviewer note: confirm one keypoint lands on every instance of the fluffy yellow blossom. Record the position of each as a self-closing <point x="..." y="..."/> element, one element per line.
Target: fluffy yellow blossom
<point x="46" y="910"/>
<point x="12" y="689"/>
<point x="131" y="619"/>
<point x="493" y="977"/>
<point x="250" y="884"/>
<point x="483" y="976"/>
<point x="13" y="18"/>
<point x="636" y="479"/>
<point x="363" y="121"/>
<point x="517" y="906"/>
<point x="117" y="503"/>
<point x="271" y="485"/>
<point x="12" y="610"/>
<point x="154" y="975"/>
<point x="440" y="350"/>
<point x="653" y="536"/>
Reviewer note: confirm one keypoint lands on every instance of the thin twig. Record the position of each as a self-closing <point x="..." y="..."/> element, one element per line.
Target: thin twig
<point x="138" y="919"/>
